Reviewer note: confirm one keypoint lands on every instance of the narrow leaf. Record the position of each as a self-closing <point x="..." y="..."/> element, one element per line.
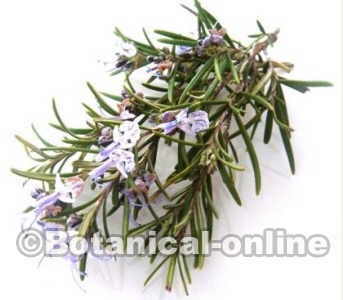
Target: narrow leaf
<point x="251" y="151"/>
<point x="101" y="101"/>
<point x="178" y="42"/>
<point x="227" y="180"/>
<point x="303" y="86"/>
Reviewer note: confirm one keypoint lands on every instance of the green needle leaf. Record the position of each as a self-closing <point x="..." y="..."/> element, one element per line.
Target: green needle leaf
<point x="101" y="101"/>
<point x="203" y="70"/>
<point x="173" y="35"/>
<point x="269" y="127"/>
<point x="155" y="270"/>
<point x="233" y="68"/>
<point x="303" y="86"/>
<point x="87" y="222"/>
<point x="59" y="119"/>
<point x="32" y="147"/>
<point x="111" y="96"/>
<point x="171" y="272"/>
<point x="188" y="43"/>
<point x="217" y="69"/>
<point x="41" y="176"/>
<point x="148" y="39"/>
<point x="259" y="25"/>
<point x="229" y="183"/>
<point x="251" y="151"/>
<point x="282" y="115"/>
<point x="45" y="142"/>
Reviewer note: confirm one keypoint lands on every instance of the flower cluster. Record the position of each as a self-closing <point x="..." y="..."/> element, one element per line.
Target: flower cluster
<point x="64" y="193"/>
<point x="117" y="154"/>
<point x="190" y="123"/>
<point x="49" y="205"/>
<point x="216" y="38"/>
<point x="124" y="53"/>
<point x="183" y="50"/>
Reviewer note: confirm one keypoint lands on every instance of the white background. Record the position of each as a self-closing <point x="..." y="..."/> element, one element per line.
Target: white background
<point x="50" y="48"/>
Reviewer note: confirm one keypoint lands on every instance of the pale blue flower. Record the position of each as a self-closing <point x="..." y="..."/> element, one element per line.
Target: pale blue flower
<point x="124" y="137"/>
<point x="182" y="50"/>
<point x="122" y="160"/>
<point x="64" y="192"/>
<point x="122" y="58"/>
<point x="195" y="122"/>
<point x="190" y="123"/>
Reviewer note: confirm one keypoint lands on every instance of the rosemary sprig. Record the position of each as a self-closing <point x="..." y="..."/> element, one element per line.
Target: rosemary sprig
<point x="213" y="74"/>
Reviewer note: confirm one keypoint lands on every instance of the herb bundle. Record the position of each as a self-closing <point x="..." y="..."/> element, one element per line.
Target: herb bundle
<point x="202" y="88"/>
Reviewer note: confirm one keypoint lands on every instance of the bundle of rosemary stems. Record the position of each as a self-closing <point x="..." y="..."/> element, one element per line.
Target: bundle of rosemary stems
<point x="203" y="88"/>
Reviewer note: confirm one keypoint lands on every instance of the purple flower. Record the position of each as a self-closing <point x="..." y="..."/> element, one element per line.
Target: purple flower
<point x="106" y="152"/>
<point x="196" y="121"/>
<point x="182" y="50"/>
<point x="124" y="137"/>
<point x="124" y="52"/>
<point x="171" y="122"/>
<point x="213" y="39"/>
<point x="38" y="193"/>
<point x="45" y="202"/>
<point x="64" y="192"/>
<point x="167" y="116"/>
<point x="190" y="123"/>
<point x="169" y="127"/>
<point x="122" y="160"/>
<point x="117" y="153"/>
<point x="127" y="134"/>
<point x="216" y="38"/>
